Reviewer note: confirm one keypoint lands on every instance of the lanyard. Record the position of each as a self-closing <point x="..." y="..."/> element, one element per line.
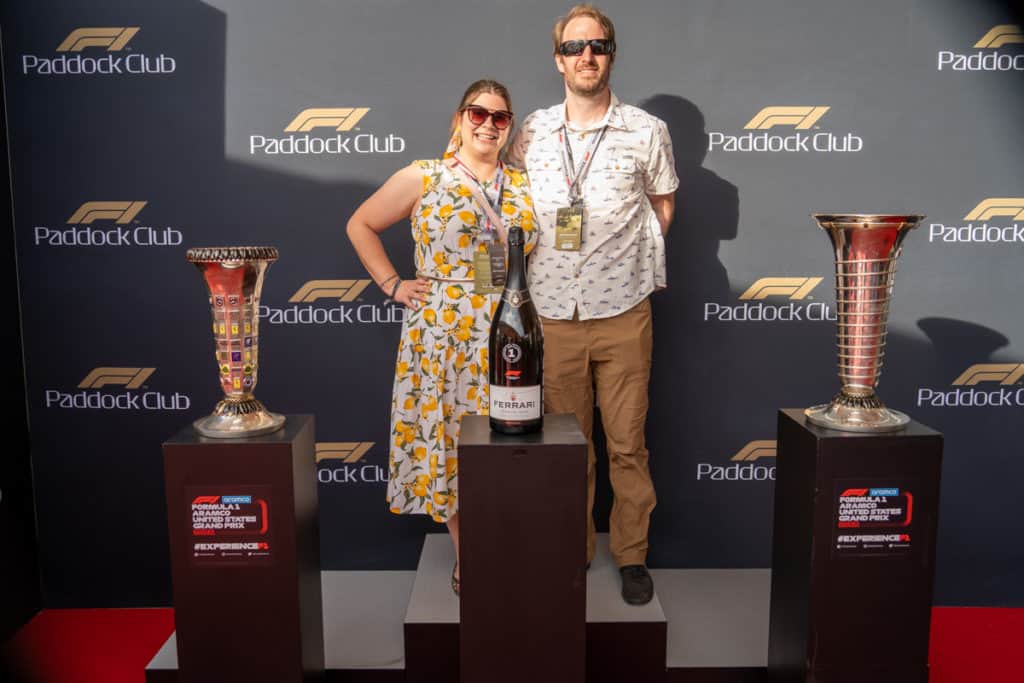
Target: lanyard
<point x="574" y="181"/>
<point x="491" y="207"/>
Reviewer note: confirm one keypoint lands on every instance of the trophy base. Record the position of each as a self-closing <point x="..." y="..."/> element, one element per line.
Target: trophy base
<point x="856" y="419"/>
<point x="235" y="419"/>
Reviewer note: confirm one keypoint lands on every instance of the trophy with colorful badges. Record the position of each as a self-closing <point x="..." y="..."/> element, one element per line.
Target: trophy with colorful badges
<point x="866" y="249"/>
<point x="234" y="276"/>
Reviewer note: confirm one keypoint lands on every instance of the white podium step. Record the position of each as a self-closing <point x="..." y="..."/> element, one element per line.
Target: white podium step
<point x="403" y="626"/>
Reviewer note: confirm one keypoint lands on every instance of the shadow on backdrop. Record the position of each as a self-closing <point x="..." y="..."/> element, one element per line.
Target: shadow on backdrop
<point x="707" y="213"/>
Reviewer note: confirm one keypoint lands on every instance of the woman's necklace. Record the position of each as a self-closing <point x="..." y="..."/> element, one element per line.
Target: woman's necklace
<point x="491" y="175"/>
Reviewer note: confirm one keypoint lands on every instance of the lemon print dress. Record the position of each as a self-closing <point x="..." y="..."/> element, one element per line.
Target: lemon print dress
<point x="441" y="372"/>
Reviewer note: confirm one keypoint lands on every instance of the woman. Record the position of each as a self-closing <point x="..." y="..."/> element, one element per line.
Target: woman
<point x="460" y="208"/>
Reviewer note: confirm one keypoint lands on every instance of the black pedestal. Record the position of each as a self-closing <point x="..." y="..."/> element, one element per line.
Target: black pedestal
<point x="245" y="557"/>
<point x="523" y="546"/>
<point x="853" y="553"/>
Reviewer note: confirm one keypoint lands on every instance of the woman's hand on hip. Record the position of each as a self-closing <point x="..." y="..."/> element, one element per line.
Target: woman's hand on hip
<point x="412" y="293"/>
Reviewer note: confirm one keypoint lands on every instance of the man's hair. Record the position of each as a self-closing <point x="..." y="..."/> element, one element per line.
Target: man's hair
<point x="582" y="10"/>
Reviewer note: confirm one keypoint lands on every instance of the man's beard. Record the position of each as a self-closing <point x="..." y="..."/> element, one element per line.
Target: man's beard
<point x="588" y="91"/>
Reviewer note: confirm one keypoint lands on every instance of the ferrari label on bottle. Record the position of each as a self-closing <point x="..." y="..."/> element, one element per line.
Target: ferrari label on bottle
<point x="516" y="403"/>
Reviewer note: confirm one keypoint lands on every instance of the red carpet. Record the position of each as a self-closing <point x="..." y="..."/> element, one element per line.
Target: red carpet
<point x="90" y="645"/>
<point x="977" y="645"/>
<point x="968" y="644"/>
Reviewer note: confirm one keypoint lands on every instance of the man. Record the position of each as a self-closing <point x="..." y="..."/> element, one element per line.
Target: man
<point x="603" y="183"/>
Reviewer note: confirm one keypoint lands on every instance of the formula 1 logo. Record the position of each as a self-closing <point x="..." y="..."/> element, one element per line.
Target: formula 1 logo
<point x="785" y="129"/>
<point x="113" y="39"/>
<point x="129" y="378"/>
<point x="111" y="56"/>
<point x="326" y="130"/>
<point x="1003" y="34"/>
<point x="765" y="448"/>
<point x="1007" y="392"/>
<point x="333" y="302"/>
<point x="754" y="308"/>
<point x="342" y="463"/>
<point x="342" y="290"/>
<point x="801" y="118"/>
<point x="340" y="119"/>
<point x="345" y="451"/>
<point x="106" y="224"/>
<point x="1012" y="207"/>
<point x="794" y="287"/>
<point x="116" y="388"/>
<point x="119" y="212"/>
<point x="976" y="227"/>
<point x="743" y="464"/>
<point x="1006" y="374"/>
<point x="987" y="56"/>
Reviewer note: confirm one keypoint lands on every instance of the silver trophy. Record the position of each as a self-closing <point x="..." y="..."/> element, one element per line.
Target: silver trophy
<point x="234" y="276"/>
<point x="866" y="249"/>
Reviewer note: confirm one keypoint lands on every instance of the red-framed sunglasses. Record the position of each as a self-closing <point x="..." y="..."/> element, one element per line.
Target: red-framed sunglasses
<point x="477" y="115"/>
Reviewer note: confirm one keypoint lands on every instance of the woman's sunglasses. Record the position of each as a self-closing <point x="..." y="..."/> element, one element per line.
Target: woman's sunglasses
<point x="478" y="114"/>
<point x="599" y="46"/>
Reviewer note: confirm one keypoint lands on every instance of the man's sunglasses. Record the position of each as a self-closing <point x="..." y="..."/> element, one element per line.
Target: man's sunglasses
<point x="478" y="114"/>
<point x="599" y="46"/>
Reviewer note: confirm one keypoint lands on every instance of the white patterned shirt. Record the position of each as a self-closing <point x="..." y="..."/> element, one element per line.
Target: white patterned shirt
<point x="616" y="266"/>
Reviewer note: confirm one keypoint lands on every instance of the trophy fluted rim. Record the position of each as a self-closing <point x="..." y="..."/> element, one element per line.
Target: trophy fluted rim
<point x="907" y="221"/>
<point x="236" y="253"/>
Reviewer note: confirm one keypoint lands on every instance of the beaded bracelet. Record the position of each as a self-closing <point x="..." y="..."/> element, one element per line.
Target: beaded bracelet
<point x="394" y="290"/>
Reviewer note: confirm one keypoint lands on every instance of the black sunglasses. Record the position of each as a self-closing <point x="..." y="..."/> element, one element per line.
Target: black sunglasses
<point x="599" y="46"/>
<point x="478" y="114"/>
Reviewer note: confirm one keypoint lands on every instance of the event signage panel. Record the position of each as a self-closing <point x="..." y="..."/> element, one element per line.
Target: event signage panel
<point x="871" y="518"/>
<point x="230" y="524"/>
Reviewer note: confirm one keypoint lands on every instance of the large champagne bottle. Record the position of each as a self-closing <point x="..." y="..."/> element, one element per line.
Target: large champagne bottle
<point x="516" y="351"/>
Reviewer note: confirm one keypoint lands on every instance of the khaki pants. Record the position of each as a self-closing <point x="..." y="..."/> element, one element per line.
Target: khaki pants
<point x="613" y="354"/>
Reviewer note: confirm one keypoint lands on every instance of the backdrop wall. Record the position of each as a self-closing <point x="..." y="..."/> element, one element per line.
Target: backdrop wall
<point x="19" y="572"/>
<point x="178" y="112"/>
